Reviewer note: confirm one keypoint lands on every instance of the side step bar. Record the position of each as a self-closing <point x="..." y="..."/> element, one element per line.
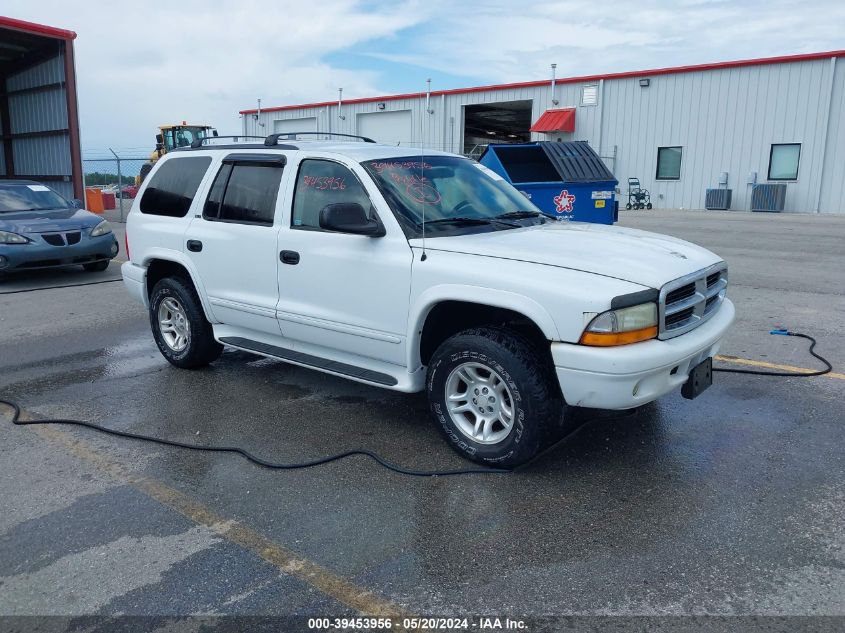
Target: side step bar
<point x="312" y="361"/>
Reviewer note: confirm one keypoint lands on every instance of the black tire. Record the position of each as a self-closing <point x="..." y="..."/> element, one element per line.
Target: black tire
<point x="648" y="206"/>
<point x="144" y="172"/>
<point x="537" y="405"/>
<point x="201" y="348"/>
<point x="96" y="267"/>
<point x="628" y="206"/>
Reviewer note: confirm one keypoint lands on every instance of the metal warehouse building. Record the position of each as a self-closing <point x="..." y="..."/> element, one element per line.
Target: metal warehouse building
<point x="770" y="130"/>
<point x="39" y="124"/>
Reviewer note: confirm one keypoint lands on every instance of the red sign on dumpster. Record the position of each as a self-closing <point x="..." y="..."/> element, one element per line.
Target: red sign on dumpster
<point x="564" y="202"/>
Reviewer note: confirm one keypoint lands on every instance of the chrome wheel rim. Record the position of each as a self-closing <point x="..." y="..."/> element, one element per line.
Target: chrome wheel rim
<point x="173" y="324"/>
<point x="480" y="403"/>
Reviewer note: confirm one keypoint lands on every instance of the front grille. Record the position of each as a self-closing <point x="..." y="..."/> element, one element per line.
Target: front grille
<point x="62" y="239"/>
<point x="681" y="293"/>
<point x="678" y="317"/>
<point x="56" y="239"/>
<point x="689" y="301"/>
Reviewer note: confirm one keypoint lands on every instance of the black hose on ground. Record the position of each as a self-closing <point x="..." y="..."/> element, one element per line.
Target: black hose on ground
<point x="16" y="420"/>
<point x="795" y="374"/>
<point x="84" y="283"/>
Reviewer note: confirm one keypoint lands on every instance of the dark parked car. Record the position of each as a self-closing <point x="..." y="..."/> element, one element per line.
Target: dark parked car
<point x="127" y="191"/>
<point x="41" y="229"/>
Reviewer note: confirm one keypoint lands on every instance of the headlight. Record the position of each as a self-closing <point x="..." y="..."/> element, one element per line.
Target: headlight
<point x="12" y="238"/>
<point x="101" y="229"/>
<point x="622" y="326"/>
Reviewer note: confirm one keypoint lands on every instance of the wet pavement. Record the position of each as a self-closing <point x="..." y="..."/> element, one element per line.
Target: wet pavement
<point x="730" y="504"/>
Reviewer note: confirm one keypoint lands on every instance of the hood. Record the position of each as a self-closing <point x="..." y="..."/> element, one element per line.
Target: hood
<point x="54" y="220"/>
<point x="648" y="259"/>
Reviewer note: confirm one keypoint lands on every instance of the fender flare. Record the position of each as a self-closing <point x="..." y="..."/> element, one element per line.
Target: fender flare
<point x="184" y="261"/>
<point x="481" y="295"/>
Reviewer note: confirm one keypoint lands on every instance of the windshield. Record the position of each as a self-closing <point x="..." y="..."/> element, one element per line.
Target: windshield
<point x="454" y="192"/>
<point x="183" y="136"/>
<point x="30" y="198"/>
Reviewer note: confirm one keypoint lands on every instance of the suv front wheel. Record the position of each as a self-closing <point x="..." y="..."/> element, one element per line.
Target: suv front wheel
<point x="183" y="334"/>
<point x="493" y="396"/>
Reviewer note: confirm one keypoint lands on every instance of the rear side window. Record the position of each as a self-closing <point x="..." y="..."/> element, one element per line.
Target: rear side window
<point x="174" y="185"/>
<point x="244" y="193"/>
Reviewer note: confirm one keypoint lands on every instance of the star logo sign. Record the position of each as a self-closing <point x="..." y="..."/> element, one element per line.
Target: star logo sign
<point x="564" y="202"/>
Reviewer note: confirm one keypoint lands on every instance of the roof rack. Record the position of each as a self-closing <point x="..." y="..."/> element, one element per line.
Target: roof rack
<point x="199" y="141"/>
<point x="273" y="139"/>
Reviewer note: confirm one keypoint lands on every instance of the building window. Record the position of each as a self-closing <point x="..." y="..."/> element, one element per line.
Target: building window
<point x="172" y="188"/>
<point x="669" y="163"/>
<point x="783" y="161"/>
<point x="320" y="183"/>
<point x="589" y="95"/>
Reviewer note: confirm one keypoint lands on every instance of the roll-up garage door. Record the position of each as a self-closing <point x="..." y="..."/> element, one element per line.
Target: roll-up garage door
<point x="390" y="128"/>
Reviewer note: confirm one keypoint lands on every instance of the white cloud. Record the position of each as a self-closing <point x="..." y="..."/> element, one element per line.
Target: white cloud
<point x="503" y="41"/>
<point x="143" y="64"/>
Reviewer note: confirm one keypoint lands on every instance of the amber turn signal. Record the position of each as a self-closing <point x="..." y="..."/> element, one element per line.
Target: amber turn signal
<point x="610" y="339"/>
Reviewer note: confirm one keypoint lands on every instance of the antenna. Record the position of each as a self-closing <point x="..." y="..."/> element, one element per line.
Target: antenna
<point x="423" y="257"/>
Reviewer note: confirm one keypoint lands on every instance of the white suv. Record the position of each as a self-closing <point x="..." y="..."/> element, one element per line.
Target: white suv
<point x="413" y="271"/>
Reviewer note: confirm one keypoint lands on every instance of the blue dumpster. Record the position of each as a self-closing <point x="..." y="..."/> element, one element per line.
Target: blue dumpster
<point x="564" y="179"/>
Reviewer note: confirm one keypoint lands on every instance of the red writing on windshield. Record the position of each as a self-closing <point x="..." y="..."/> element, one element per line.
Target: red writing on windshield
<point x="399" y="164"/>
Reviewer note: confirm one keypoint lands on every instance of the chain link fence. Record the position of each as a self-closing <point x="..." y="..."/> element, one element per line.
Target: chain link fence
<point x="118" y="177"/>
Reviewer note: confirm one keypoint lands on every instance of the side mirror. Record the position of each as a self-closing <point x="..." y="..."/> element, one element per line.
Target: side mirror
<point x="349" y="217"/>
<point x="159" y="139"/>
<point x="76" y="203"/>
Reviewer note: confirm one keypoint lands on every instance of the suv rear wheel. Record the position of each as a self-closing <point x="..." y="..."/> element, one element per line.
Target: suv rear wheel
<point x="183" y="334"/>
<point x="493" y="395"/>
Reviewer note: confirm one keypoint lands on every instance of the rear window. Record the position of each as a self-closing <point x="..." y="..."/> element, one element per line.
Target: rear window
<point x="173" y="186"/>
<point x="244" y="193"/>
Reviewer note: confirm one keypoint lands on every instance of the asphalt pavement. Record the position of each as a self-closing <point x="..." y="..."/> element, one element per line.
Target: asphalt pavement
<point x="732" y="504"/>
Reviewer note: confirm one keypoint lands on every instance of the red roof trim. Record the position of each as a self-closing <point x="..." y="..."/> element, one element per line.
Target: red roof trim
<point x="568" y="80"/>
<point x="37" y="29"/>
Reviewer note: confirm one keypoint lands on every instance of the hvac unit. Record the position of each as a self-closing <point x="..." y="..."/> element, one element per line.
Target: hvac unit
<point x="717" y="199"/>
<point x="769" y="197"/>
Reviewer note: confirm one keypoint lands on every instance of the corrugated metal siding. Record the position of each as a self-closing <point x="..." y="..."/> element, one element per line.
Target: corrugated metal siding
<point x="832" y="199"/>
<point x="42" y="156"/>
<point x="38" y="111"/>
<point x="41" y="111"/>
<point x="724" y="119"/>
<point x="51" y="71"/>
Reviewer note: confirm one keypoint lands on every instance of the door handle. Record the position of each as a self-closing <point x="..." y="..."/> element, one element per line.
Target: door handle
<point x="289" y="257"/>
<point x="195" y="246"/>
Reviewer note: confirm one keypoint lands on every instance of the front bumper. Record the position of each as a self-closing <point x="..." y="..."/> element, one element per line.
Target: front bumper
<point x="632" y="375"/>
<point x="37" y="255"/>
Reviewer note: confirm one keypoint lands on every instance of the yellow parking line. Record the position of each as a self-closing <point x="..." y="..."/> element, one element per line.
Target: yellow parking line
<point x="761" y="363"/>
<point x="284" y="559"/>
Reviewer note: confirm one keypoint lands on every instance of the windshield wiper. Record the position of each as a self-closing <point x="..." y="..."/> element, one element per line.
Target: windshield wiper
<point x="460" y="220"/>
<point x="464" y="221"/>
<point x="519" y="215"/>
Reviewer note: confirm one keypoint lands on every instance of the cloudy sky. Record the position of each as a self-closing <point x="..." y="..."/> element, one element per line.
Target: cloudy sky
<point x="140" y="64"/>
